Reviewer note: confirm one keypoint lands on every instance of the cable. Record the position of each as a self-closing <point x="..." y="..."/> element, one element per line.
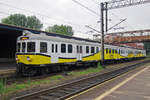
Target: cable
<point x="86" y="7"/>
<point x="70" y="23"/>
<point x="95" y="2"/>
<point x="121" y="19"/>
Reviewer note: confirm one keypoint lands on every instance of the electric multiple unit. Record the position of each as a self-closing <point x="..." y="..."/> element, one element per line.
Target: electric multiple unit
<point x="44" y="52"/>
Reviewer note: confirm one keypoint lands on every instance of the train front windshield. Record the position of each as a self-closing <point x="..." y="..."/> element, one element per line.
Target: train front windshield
<point x="25" y="47"/>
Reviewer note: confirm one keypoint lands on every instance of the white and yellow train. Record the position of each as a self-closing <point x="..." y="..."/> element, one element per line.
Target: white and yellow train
<point x="37" y="53"/>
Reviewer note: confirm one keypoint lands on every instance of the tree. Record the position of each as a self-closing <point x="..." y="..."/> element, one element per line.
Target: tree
<point x="62" y="29"/>
<point x="33" y="22"/>
<point x="23" y="21"/>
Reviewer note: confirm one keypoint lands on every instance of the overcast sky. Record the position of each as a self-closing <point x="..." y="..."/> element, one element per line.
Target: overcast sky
<point x="67" y="12"/>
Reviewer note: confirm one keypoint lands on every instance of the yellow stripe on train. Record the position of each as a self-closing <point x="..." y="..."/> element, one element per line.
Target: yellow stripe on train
<point x="33" y="59"/>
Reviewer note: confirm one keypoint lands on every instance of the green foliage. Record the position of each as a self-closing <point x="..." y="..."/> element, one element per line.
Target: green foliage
<point x="87" y="71"/>
<point x="57" y="77"/>
<point x="62" y="29"/>
<point x="2" y="87"/>
<point x="99" y="65"/>
<point x="23" y="21"/>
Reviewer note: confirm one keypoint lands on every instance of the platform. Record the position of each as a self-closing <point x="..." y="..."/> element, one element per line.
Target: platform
<point x="134" y="85"/>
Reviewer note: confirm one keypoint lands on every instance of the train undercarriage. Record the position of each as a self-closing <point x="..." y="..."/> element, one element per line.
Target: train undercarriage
<point x="34" y="70"/>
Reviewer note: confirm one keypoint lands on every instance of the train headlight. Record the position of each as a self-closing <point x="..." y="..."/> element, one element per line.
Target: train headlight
<point x="17" y="59"/>
<point x="28" y="58"/>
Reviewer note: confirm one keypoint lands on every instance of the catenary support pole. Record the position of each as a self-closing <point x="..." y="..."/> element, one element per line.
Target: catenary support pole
<point x="102" y="31"/>
<point x="106" y="17"/>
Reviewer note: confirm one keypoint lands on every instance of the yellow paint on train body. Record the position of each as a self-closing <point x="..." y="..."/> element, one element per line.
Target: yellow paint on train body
<point x="61" y="60"/>
<point x="34" y="59"/>
<point x="43" y="59"/>
<point x="93" y="57"/>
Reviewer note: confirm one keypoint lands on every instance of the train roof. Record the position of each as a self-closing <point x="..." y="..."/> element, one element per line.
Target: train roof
<point x="12" y="27"/>
<point x="70" y="37"/>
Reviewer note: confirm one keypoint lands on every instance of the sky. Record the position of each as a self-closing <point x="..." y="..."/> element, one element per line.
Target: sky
<point x="67" y="12"/>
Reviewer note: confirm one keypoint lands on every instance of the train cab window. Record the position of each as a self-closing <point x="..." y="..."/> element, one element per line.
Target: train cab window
<point x="97" y="49"/>
<point x="18" y="47"/>
<point x="69" y="48"/>
<point x="30" y="46"/>
<point x="56" y="48"/>
<point x="92" y="50"/>
<point x="23" y="46"/>
<point x="52" y="48"/>
<point x="63" y="48"/>
<point x="43" y="47"/>
<point x="87" y="49"/>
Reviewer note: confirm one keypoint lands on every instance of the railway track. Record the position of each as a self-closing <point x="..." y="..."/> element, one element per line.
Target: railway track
<point x="11" y="76"/>
<point x="66" y="90"/>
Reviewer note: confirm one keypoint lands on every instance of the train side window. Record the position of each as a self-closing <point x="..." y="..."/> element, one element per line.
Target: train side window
<point x="63" y="48"/>
<point x="56" y="48"/>
<point x="110" y="51"/>
<point x="77" y="49"/>
<point x="43" y="47"/>
<point x="30" y="46"/>
<point x="122" y="51"/>
<point x="80" y="49"/>
<point x="97" y="49"/>
<point x="23" y="46"/>
<point x="92" y="50"/>
<point x="52" y="48"/>
<point x="87" y="49"/>
<point x="106" y="50"/>
<point x="115" y="51"/>
<point x="18" y="47"/>
<point x="69" y="48"/>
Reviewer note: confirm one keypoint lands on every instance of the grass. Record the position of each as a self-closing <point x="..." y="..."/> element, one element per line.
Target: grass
<point x="148" y="55"/>
<point x="17" y="87"/>
<point x="87" y="71"/>
<point x="2" y="88"/>
<point x="57" y="77"/>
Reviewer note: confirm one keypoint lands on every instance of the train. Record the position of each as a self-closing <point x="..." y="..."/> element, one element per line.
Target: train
<point x="46" y="52"/>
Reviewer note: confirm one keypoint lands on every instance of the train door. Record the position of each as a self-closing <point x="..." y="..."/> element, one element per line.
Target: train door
<point x="79" y="52"/>
<point x="54" y="53"/>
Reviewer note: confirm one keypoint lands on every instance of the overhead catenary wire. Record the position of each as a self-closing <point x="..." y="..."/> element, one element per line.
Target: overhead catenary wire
<point x="42" y="15"/>
<point x="86" y="7"/>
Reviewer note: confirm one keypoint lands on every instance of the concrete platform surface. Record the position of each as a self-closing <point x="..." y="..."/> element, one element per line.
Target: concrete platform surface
<point x="134" y="85"/>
